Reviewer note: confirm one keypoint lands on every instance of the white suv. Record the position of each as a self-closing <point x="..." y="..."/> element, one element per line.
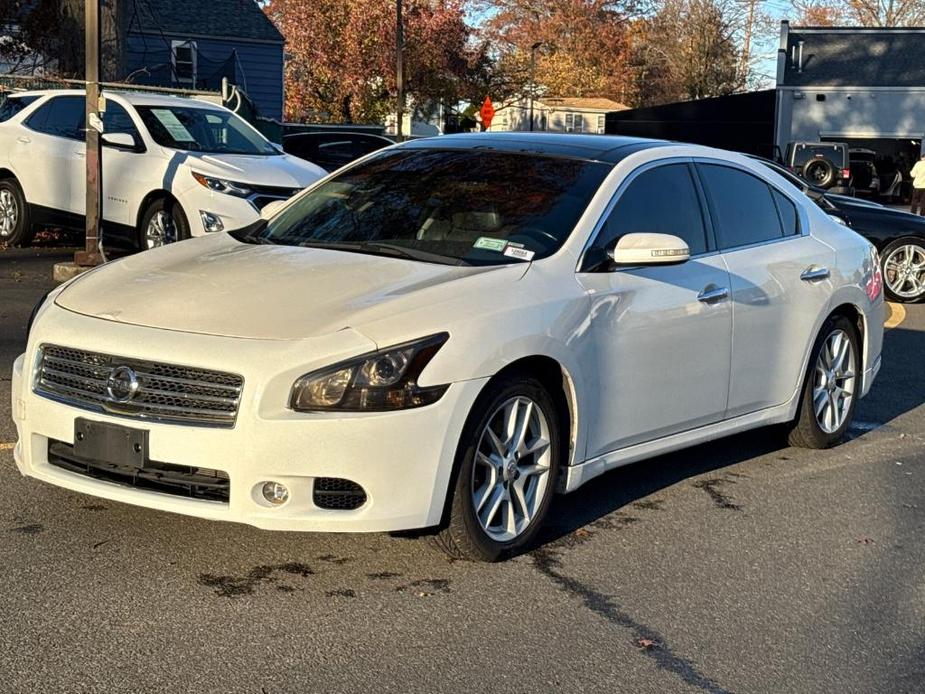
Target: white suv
<point x="172" y="167"/>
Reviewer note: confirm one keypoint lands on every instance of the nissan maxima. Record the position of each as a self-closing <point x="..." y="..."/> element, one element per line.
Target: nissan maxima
<point x="446" y="333"/>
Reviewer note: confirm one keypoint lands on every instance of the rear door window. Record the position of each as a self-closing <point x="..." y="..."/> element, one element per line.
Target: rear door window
<point x="62" y="116"/>
<point x="743" y="207"/>
<point x="13" y="105"/>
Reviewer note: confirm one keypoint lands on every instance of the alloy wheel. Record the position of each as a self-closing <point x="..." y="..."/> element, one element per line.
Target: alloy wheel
<point x="904" y="271"/>
<point x="161" y="230"/>
<point x="834" y="384"/>
<point x="511" y="470"/>
<point x="9" y="213"/>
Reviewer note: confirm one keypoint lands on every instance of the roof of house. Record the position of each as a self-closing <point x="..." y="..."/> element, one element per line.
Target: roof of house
<point x="584" y="103"/>
<point x="234" y="19"/>
<point x="862" y="57"/>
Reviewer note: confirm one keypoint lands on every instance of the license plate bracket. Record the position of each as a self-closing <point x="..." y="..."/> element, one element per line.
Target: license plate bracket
<point x="110" y="443"/>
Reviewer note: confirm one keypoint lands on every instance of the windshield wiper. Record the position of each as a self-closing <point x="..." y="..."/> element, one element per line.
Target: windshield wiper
<point x="384" y="249"/>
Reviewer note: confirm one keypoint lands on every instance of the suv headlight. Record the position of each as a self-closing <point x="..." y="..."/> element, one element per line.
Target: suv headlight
<point x="221" y="185"/>
<point x="377" y="382"/>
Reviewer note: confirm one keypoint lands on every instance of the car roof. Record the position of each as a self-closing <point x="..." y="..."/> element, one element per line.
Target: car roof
<point x="605" y="148"/>
<point x="134" y="98"/>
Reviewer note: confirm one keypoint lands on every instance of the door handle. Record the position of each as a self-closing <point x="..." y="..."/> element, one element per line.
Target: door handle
<point x="23" y="140"/>
<point x="815" y="273"/>
<point x="711" y="294"/>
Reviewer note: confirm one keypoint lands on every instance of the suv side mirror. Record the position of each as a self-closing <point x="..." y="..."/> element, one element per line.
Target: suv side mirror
<point x="650" y="249"/>
<point x="119" y="140"/>
<point x="271" y="208"/>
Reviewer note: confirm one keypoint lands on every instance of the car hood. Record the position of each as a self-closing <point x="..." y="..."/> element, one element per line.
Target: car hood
<point x="284" y="170"/>
<point x="216" y="285"/>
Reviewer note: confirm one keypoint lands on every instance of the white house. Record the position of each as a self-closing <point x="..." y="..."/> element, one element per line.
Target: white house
<point x="556" y="114"/>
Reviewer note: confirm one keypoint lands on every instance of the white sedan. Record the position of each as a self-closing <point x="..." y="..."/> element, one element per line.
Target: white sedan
<point x="448" y="332"/>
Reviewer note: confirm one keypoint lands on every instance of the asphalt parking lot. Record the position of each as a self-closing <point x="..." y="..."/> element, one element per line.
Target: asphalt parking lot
<point x="737" y="566"/>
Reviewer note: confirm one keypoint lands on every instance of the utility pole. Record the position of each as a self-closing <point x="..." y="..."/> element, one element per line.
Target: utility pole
<point x="94" y="122"/>
<point x="399" y="70"/>
<point x="533" y="49"/>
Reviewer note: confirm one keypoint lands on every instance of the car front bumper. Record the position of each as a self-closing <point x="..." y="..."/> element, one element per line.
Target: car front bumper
<point x="403" y="459"/>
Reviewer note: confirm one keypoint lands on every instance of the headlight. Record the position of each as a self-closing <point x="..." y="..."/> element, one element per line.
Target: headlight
<point x="220" y="185"/>
<point x="35" y="311"/>
<point x="384" y="380"/>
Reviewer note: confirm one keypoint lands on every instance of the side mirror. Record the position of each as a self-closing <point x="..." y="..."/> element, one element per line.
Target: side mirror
<point x="119" y="140"/>
<point x="650" y="249"/>
<point x="271" y="208"/>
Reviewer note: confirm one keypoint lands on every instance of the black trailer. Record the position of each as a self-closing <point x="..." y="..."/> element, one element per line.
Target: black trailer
<point x="739" y="122"/>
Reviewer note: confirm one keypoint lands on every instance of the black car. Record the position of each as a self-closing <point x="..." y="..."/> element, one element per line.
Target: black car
<point x="898" y="236"/>
<point x="332" y="150"/>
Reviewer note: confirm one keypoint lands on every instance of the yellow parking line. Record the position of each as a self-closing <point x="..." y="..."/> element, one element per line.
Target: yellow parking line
<point x="897" y="315"/>
<point x="7" y="446"/>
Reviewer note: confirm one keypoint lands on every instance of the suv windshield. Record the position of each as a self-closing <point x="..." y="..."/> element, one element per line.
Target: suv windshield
<point x="12" y="105"/>
<point x="465" y="207"/>
<point x="193" y="129"/>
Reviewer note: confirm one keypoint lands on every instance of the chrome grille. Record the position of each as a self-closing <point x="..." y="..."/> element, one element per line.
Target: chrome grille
<point x="164" y="392"/>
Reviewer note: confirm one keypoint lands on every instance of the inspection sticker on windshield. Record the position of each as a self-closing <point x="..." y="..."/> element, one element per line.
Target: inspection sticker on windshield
<point x="490" y="244"/>
<point x="519" y="253"/>
<point x="173" y="125"/>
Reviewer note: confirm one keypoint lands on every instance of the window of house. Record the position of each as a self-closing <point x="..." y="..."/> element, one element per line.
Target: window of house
<point x="183" y="57"/>
<point x="579" y="123"/>
<point x="569" y="122"/>
<point x="601" y="122"/>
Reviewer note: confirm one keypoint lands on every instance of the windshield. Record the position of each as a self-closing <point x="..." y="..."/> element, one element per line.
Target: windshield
<point x="466" y="207"/>
<point x="193" y="129"/>
<point x="12" y="105"/>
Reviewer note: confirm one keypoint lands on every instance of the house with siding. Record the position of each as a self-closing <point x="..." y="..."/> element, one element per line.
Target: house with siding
<point x="556" y="115"/>
<point x="194" y="44"/>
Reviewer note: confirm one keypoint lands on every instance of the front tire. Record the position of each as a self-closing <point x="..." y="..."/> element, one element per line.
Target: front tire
<point x="15" y="222"/>
<point x="904" y="270"/>
<point x="163" y="222"/>
<point x="831" y="388"/>
<point x="507" y="462"/>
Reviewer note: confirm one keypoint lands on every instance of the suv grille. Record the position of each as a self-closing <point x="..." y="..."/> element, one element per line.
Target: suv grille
<point x="177" y="480"/>
<point x="139" y="389"/>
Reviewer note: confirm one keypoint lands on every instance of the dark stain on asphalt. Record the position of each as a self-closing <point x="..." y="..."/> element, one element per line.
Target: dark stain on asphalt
<point x="93" y="507"/>
<point x="427" y="586"/>
<point x="342" y="593"/>
<point x="648" y="505"/>
<point x="100" y="544"/>
<point x="383" y="575"/>
<point x="334" y="559"/>
<point x="30" y="529"/>
<point x="236" y="586"/>
<point x="713" y="489"/>
<point x="547" y="563"/>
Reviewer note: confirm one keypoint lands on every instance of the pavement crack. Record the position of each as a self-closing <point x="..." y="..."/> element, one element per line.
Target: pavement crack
<point x="657" y="648"/>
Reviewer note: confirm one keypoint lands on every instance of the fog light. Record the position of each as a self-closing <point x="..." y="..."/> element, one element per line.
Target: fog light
<point x="211" y="222"/>
<point x="275" y="493"/>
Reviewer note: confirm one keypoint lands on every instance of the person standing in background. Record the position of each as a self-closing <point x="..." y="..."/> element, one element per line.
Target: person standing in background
<point x="918" y="187"/>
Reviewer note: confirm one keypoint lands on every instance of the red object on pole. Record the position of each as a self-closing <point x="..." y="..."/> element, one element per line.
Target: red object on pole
<point x="487" y="112"/>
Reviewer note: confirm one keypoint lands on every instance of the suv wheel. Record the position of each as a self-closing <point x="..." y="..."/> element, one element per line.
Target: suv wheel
<point x="904" y="270"/>
<point x="163" y="222"/>
<point x="831" y="388"/>
<point x="15" y="223"/>
<point x="820" y="172"/>
<point x="508" y="458"/>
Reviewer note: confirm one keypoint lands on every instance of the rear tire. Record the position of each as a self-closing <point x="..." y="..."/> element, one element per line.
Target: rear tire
<point x="505" y="480"/>
<point x="162" y="223"/>
<point x="15" y="220"/>
<point x="903" y="265"/>
<point x="831" y="386"/>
